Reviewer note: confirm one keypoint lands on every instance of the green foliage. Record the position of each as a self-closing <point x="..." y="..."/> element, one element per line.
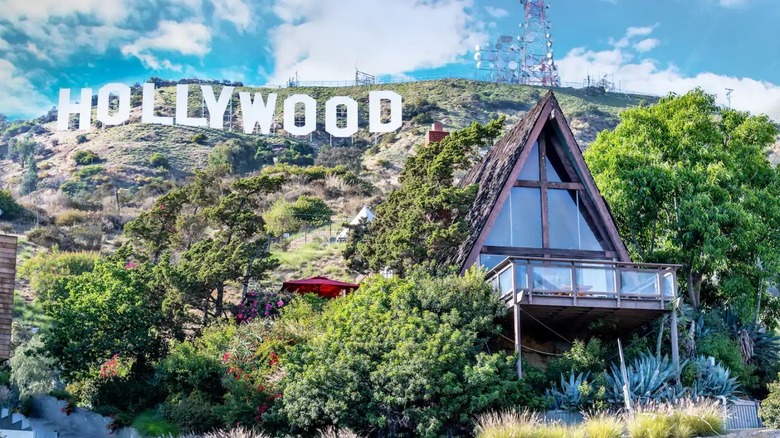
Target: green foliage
<point x="280" y="218"/>
<point x="199" y="138"/>
<point x="424" y="218"/>
<point x="33" y="372"/>
<point x="192" y="367"/>
<point x="711" y="379"/>
<point x="30" y="179"/>
<point x="81" y="138"/>
<point x="84" y="157"/>
<point x="193" y="412"/>
<point x="149" y="424"/>
<point x="602" y="426"/>
<point x="71" y="217"/>
<point x="73" y="187"/>
<point x="403" y="355"/>
<point x="575" y="394"/>
<point x="89" y="171"/>
<point x="46" y="269"/>
<point x="689" y="182"/>
<point x="20" y="150"/>
<point x="116" y="308"/>
<point x="581" y="358"/>
<point x="650" y="379"/>
<point x="11" y="209"/>
<point x="312" y="211"/>
<point x="649" y="425"/>
<point x="726" y="351"/>
<point x="159" y="160"/>
<point x="297" y="154"/>
<point x="240" y="157"/>
<point x="770" y="406"/>
<point x="50" y="237"/>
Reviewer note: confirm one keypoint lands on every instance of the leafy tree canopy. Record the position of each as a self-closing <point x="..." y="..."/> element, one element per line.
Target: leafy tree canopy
<point x="425" y="217"/>
<point x="689" y="182"/>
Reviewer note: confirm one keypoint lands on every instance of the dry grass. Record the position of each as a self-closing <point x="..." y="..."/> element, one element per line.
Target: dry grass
<point x="602" y="426"/>
<point x="333" y="432"/>
<point x="507" y="424"/>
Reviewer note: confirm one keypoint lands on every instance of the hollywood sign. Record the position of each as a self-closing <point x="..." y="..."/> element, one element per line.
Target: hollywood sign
<point x="254" y="110"/>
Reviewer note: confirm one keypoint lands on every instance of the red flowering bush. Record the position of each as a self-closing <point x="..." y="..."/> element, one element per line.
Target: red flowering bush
<point x="264" y="304"/>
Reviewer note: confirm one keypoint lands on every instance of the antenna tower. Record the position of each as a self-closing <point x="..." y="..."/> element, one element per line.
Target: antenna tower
<point x="530" y="59"/>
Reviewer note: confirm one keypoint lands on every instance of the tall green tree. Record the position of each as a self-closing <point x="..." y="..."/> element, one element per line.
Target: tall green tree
<point x="424" y="218"/>
<point x="30" y="178"/>
<point x="689" y="182"/>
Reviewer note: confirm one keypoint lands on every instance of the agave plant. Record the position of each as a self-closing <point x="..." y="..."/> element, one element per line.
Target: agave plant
<point x="712" y="379"/>
<point x="570" y="397"/>
<point x="756" y="344"/>
<point x="650" y="379"/>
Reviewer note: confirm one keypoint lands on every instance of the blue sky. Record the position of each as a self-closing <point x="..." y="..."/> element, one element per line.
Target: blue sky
<point x="647" y="46"/>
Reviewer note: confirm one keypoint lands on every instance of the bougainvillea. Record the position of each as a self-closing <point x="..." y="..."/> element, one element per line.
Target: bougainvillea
<point x="263" y="304"/>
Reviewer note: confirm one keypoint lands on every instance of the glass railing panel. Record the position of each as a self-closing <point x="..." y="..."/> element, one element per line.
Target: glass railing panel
<point x="521" y="275"/>
<point x="595" y="281"/>
<point x="505" y="281"/>
<point x="551" y="278"/>
<point x="667" y="285"/>
<point x="643" y="283"/>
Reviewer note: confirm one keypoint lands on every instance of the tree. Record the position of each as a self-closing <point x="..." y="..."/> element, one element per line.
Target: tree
<point x="47" y="268"/>
<point x="117" y="308"/>
<point x="21" y="150"/>
<point x="312" y="211"/>
<point x="280" y="218"/>
<point x="689" y="182"/>
<point x="299" y="154"/>
<point x="215" y="233"/>
<point x="404" y="356"/>
<point x="240" y="156"/>
<point x="425" y="217"/>
<point x="30" y="179"/>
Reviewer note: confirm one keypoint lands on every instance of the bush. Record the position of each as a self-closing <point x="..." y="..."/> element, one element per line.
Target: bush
<point x="581" y="358"/>
<point x="199" y="138"/>
<point x="188" y="369"/>
<point x="159" y="160"/>
<point x="193" y="412"/>
<point x="421" y="338"/>
<point x="73" y="187"/>
<point x="602" y="426"/>
<point x="726" y="351"/>
<point x="81" y="138"/>
<point x="11" y="209"/>
<point x="46" y="268"/>
<point x="349" y="157"/>
<point x="87" y="172"/>
<point x="149" y="424"/>
<point x="51" y="236"/>
<point x="32" y="372"/>
<point x="71" y="217"/>
<point x="649" y="425"/>
<point x="770" y="407"/>
<point x="84" y="157"/>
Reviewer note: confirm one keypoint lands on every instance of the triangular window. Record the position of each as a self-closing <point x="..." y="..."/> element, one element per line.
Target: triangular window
<point x="530" y="171"/>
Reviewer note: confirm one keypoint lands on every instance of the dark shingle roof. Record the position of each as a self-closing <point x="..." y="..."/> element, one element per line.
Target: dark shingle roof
<point x="491" y="174"/>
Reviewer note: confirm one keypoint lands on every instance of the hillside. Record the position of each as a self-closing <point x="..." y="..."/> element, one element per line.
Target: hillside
<point x="120" y="181"/>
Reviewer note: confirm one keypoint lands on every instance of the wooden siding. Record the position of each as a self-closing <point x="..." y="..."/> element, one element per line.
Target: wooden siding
<point x="7" y="280"/>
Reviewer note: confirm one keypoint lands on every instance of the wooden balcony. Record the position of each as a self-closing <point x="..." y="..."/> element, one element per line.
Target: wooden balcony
<point x="571" y="294"/>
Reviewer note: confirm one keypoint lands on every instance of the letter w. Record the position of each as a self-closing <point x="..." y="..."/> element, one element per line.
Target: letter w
<point x="255" y="111"/>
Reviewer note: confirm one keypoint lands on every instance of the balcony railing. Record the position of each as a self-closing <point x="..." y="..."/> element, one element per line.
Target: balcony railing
<point x="583" y="282"/>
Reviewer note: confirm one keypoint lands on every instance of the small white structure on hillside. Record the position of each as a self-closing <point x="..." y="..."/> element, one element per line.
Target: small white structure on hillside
<point x="364" y="213"/>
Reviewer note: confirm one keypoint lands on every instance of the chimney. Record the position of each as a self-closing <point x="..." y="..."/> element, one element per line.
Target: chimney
<point x="436" y="134"/>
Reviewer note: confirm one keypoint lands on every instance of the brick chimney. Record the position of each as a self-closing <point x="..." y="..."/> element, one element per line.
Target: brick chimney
<point x="436" y="134"/>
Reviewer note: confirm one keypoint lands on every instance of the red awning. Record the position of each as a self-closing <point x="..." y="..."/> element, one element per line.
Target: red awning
<point x="322" y="286"/>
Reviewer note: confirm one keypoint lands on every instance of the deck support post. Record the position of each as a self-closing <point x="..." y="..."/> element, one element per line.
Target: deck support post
<point x="518" y="346"/>
<point x="675" y="339"/>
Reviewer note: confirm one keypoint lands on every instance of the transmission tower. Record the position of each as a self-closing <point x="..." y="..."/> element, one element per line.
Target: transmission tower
<point x="525" y="59"/>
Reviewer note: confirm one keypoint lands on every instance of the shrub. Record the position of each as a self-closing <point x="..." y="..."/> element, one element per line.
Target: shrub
<point x="71" y="217"/>
<point x="190" y="368"/>
<point x="73" y="187"/>
<point x="51" y="236"/>
<point x="81" y="138"/>
<point x="32" y="372"/>
<point x="11" y="209"/>
<point x="349" y="157"/>
<point x="159" y="160"/>
<point x="602" y="426"/>
<point x="199" y="138"/>
<point x="46" y="268"/>
<point x="422" y="338"/>
<point x="649" y="425"/>
<point x="87" y="172"/>
<point x="193" y="412"/>
<point x="581" y="358"/>
<point x="726" y="351"/>
<point x="149" y="424"/>
<point x="702" y="418"/>
<point x="84" y="157"/>
<point x="770" y="407"/>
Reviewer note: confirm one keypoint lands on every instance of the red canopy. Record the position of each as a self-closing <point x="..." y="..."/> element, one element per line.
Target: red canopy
<point x="322" y="286"/>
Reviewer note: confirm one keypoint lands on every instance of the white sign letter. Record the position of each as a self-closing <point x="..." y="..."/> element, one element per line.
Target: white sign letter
<point x="375" y="99"/>
<point x="257" y="111"/>
<point x="84" y="108"/>
<point x="183" y="108"/>
<point x="147" y="108"/>
<point x="122" y="92"/>
<point x="216" y="107"/>
<point x="331" y="117"/>
<point x="310" y="114"/>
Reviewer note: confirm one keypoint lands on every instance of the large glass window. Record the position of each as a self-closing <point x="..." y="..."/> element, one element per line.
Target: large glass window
<point x="519" y="223"/>
<point x="530" y="170"/>
<point x="489" y="261"/>
<point x="568" y="227"/>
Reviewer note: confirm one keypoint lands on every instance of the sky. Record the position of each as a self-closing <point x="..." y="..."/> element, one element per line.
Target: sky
<point x="653" y="47"/>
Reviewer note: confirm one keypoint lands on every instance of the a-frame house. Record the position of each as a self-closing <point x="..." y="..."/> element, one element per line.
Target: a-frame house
<point x="549" y="241"/>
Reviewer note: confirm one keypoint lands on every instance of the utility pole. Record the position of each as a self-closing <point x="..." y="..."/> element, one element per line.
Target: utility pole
<point x="728" y="95"/>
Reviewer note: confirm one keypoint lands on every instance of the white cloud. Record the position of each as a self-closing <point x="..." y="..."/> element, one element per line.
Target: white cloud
<point x="4" y="44"/>
<point x="38" y="11"/>
<point x="235" y="11"/>
<point x="647" y="45"/>
<point x="18" y="96"/>
<point x="496" y="12"/>
<point x="326" y="39"/>
<point x="187" y="38"/>
<point x="732" y="3"/>
<point x="639" y="31"/>
<point x="647" y="76"/>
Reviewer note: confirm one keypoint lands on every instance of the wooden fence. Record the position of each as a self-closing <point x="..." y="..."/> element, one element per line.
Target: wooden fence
<point x="7" y="280"/>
